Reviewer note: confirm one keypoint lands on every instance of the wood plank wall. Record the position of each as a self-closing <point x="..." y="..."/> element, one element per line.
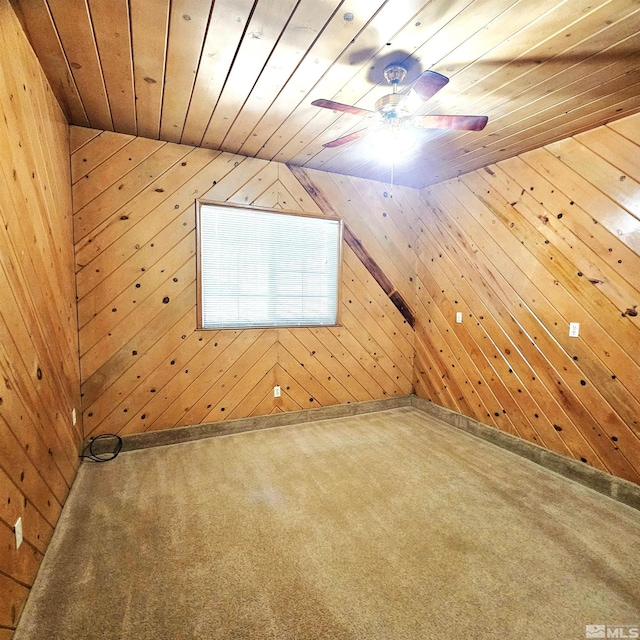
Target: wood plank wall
<point x="38" y="332"/>
<point x="145" y="367"/>
<point x="523" y="248"/>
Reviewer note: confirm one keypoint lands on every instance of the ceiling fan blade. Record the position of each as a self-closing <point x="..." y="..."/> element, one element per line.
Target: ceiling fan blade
<point x="428" y="84"/>
<point x="462" y="123"/>
<point x="347" y="108"/>
<point x="348" y="138"/>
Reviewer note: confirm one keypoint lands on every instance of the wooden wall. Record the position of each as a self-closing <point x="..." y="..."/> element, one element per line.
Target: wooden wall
<point x="39" y="384"/>
<point x="523" y="248"/>
<point x="145" y="367"/>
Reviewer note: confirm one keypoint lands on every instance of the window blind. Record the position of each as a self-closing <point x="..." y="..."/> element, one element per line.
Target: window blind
<point x="265" y="269"/>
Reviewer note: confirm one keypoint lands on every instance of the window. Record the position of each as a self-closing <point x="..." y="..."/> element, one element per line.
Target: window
<point x="260" y="268"/>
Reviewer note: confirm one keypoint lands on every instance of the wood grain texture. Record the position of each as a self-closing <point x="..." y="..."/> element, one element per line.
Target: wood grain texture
<point x="241" y="75"/>
<point x="522" y="248"/>
<point x="38" y="331"/>
<point x="144" y="365"/>
<point x="326" y="203"/>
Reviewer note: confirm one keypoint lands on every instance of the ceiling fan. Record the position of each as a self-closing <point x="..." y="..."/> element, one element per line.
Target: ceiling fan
<point x="395" y="111"/>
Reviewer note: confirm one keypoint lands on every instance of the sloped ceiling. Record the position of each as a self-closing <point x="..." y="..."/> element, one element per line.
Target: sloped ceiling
<point x="240" y="75"/>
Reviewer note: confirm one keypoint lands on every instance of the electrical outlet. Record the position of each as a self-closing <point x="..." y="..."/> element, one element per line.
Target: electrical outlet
<point x="73" y="416"/>
<point x="276" y="391"/>
<point x="459" y="317"/>
<point x="574" y="329"/>
<point x="18" y="531"/>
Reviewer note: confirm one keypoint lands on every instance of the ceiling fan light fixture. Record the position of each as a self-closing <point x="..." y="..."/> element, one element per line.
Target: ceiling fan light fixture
<point x="391" y="142"/>
<point x="397" y="116"/>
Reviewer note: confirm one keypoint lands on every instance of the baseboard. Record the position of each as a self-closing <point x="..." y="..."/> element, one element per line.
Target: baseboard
<point x="228" y="427"/>
<point x="616" y="488"/>
<point x="611" y="486"/>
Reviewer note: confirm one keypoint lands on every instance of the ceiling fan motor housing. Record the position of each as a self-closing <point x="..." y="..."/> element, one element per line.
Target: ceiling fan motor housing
<point x="390" y="106"/>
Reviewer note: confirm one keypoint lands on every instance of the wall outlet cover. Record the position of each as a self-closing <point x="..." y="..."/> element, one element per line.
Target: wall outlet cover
<point x="459" y="317"/>
<point x="276" y="392"/>
<point x="574" y="329"/>
<point x="18" y="531"/>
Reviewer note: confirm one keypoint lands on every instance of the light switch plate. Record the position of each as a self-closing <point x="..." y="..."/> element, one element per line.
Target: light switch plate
<point x="276" y="392"/>
<point x="459" y="317"/>
<point x="574" y="329"/>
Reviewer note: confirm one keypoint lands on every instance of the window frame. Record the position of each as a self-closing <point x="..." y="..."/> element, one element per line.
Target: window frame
<point x="231" y="206"/>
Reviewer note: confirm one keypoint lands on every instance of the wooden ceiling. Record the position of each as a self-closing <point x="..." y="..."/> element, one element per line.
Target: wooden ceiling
<point x="240" y="75"/>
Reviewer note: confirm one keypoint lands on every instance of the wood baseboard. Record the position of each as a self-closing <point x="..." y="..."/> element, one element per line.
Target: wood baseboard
<point x="228" y="427"/>
<point x="611" y="486"/>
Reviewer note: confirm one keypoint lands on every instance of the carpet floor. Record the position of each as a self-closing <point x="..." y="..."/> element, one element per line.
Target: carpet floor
<point x="382" y="526"/>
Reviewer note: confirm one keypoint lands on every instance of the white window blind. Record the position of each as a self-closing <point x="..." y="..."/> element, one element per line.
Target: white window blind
<point x="264" y="269"/>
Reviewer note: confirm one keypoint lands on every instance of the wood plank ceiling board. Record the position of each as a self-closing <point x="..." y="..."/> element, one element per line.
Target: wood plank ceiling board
<point x="113" y="37"/>
<point x="268" y="20"/>
<point x="341" y="82"/>
<point x="451" y="143"/>
<point x="75" y="29"/>
<point x="226" y="29"/>
<point x="444" y="32"/>
<point x="240" y="75"/>
<point x="568" y="65"/>
<point x="188" y="22"/>
<point x="297" y="37"/>
<point x="149" y="32"/>
<point x="337" y="36"/>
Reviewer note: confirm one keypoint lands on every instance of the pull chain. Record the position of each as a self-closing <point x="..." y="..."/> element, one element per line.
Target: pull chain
<point x="391" y="187"/>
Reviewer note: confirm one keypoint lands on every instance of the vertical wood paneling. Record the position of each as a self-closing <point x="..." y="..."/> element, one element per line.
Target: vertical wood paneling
<point x="523" y="248"/>
<point x="145" y="367"/>
<point x="38" y="332"/>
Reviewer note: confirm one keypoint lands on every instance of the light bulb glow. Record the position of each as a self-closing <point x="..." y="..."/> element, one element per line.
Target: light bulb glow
<point x="393" y="140"/>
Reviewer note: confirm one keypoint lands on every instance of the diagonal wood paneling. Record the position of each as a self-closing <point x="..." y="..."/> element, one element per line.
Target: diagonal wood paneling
<point x="522" y="248"/>
<point x="144" y="366"/>
<point x="39" y="372"/>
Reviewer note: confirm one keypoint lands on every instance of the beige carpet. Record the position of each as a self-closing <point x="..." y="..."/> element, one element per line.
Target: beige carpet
<point x="387" y="525"/>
